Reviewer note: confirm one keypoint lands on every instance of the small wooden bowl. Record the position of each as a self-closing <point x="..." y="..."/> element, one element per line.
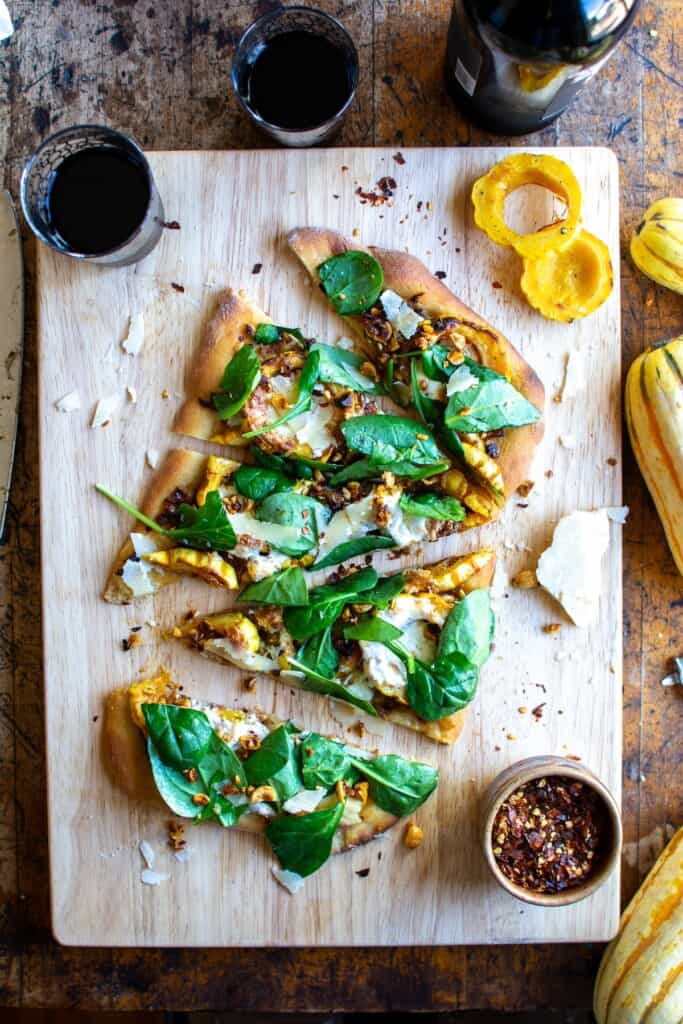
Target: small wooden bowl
<point x="518" y="775"/>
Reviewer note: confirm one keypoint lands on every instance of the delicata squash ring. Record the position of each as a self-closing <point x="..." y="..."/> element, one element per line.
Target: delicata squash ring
<point x="569" y="283"/>
<point x="490" y="192"/>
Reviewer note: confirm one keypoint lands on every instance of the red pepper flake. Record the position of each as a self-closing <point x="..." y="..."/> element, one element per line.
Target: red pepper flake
<point x="496" y="284"/>
<point x="363" y="873"/>
<point x="419" y="205"/>
<point x="440" y="274"/>
<point x="399" y="158"/>
<point x="344" y="167"/>
<point x="256" y="269"/>
<point x="177" y="287"/>
<point x="172" y="225"/>
<point x="537" y="712"/>
<point x="550" y="834"/>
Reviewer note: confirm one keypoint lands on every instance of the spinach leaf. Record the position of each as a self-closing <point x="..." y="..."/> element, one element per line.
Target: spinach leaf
<point x="222" y="810"/>
<point x="205" y="528"/>
<point x="288" y="467"/>
<point x="316" y="683"/>
<point x="432" y="506"/>
<point x="396" y="785"/>
<point x="492" y="404"/>
<point x="352" y="281"/>
<point x="289" y="508"/>
<point x="307" y="381"/>
<point x="385" y="590"/>
<point x="371" y="627"/>
<point x="275" y="763"/>
<point x="438" y="690"/>
<point x="435" y="362"/>
<point x="323" y="762"/>
<point x="364" y="469"/>
<point x="257" y="483"/>
<point x="175" y="789"/>
<point x="352" y="548"/>
<point x="428" y="409"/>
<point x="339" y="366"/>
<point x="326" y="603"/>
<point x="219" y="763"/>
<point x="469" y="628"/>
<point x="268" y="334"/>
<point x="320" y="654"/>
<point x="181" y="736"/>
<point x="240" y="378"/>
<point x="302" y="843"/>
<point x="284" y="588"/>
<point x="391" y="439"/>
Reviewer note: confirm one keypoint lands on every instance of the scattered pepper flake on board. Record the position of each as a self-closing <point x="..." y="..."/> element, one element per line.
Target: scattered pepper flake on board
<point x="177" y="287"/>
<point x="256" y="269"/>
<point x="537" y="712"/>
<point x="496" y="284"/>
<point x="363" y="873"/>
<point x="399" y="158"/>
<point x="549" y="834"/>
<point x="525" y="488"/>
<point x="440" y="274"/>
<point x="172" y="225"/>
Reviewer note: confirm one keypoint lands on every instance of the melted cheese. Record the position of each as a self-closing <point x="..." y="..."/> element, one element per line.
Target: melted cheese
<point x="460" y="380"/>
<point x="305" y="801"/>
<point x="225" y="649"/>
<point x="140" y="578"/>
<point x="410" y="613"/>
<point x="314" y="428"/>
<point x="403" y="528"/>
<point x="349" y="523"/>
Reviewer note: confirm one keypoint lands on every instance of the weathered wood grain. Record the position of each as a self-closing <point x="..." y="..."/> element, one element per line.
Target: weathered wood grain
<point x="75" y="61"/>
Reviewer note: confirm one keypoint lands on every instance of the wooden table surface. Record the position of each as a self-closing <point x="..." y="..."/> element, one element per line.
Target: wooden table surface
<point x="161" y="72"/>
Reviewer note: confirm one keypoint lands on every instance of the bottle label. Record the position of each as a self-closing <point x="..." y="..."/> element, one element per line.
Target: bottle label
<point x="466" y="80"/>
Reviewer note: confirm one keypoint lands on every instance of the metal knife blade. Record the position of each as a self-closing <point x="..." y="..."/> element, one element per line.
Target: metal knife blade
<point x="11" y="344"/>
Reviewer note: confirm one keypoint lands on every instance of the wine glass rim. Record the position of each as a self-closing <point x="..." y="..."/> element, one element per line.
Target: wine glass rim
<point x="26" y="174"/>
<point x="273" y="16"/>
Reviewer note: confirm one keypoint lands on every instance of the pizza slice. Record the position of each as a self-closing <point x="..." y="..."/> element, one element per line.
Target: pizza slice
<point x="473" y="391"/>
<point x="405" y="647"/>
<point x="232" y="524"/>
<point x="310" y="795"/>
<point x="256" y="382"/>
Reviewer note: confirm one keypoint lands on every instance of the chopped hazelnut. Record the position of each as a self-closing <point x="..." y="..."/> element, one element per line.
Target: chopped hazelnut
<point x="413" y="835"/>
<point x="525" y="580"/>
<point x="200" y="799"/>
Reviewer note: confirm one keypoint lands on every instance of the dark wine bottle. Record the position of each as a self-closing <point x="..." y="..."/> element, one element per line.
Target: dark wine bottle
<point x="513" y="66"/>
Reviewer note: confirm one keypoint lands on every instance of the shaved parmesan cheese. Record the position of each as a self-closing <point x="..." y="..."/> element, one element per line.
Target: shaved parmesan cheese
<point x="361" y="688"/>
<point x="574" y="376"/>
<point x="143" y="544"/>
<point x="139" y="578"/>
<point x="149" y="877"/>
<point x="567" y="441"/>
<point x="352" y="812"/>
<point x="570" y="568"/>
<point x="460" y="380"/>
<point x="391" y="304"/>
<point x="313" y="428"/>
<point x="133" y="341"/>
<point x="224" y="648"/>
<point x="289" y="880"/>
<point x="404" y="529"/>
<point x="618" y="513"/>
<point x="69" y="403"/>
<point x="104" y="410"/>
<point x="262" y="808"/>
<point x="152" y="458"/>
<point x="399" y="313"/>
<point x="305" y="801"/>
<point x="237" y="799"/>
<point x="435" y="389"/>
<point x="183" y="855"/>
<point x="349" y="523"/>
<point x="147" y="853"/>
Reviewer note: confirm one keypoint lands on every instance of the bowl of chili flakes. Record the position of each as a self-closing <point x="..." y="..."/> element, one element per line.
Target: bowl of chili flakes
<point x="551" y="831"/>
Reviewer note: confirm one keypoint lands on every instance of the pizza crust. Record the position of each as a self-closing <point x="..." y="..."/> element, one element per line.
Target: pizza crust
<point x="411" y="279"/>
<point x="127" y="765"/>
<point x="225" y="333"/>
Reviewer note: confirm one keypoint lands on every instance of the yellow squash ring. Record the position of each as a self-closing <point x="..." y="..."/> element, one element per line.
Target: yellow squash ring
<point x="569" y="283"/>
<point x="490" y="192"/>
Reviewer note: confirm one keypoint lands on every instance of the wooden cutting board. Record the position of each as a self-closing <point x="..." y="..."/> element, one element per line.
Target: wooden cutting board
<point x="234" y="210"/>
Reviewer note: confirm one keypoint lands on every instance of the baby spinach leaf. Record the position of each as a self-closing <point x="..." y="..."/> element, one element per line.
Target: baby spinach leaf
<point x="323" y="762"/>
<point x="438" y="690"/>
<point x="326" y="603"/>
<point x="492" y="404"/>
<point x="432" y="506"/>
<point x="435" y="362"/>
<point x="175" y="789"/>
<point x="206" y="527"/>
<point x="181" y="736"/>
<point x="268" y="334"/>
<point x="307" y="381"/>
<point x="240" y="378"/>
<point x="284" y="588"/>
<point x="316" y="683"/>
<point x="222" y="810"/>
<point x="320" y="654"/>
<point x="218" y="763"/>
<point x="391" y="439"/>
<point x="352" y="548"/>
<point x="352" y="281"/>
<point x="396" y="785"/>
<point x="293" y="468"/>
<point x="339" y="366"/>
<point x="275" y="763"/>
<point x="302" y="843"/>
<point x="371" y="627"/>
<point x="289" y="508"/>
<point x="365" y="469"/>
<point x="428" y="409"/>
<point x="257" y="483"/>
<point x="384" y="591"/>
<point x="469" y="628"/>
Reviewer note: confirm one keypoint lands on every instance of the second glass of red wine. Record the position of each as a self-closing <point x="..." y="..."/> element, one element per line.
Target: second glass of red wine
<point x="295" y="72"/>
<point x="88" y="192"/>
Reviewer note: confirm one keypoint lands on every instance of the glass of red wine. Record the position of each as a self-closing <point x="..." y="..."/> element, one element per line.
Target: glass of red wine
<point x="88" y="192"/>
<point x="295" y="72"/>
